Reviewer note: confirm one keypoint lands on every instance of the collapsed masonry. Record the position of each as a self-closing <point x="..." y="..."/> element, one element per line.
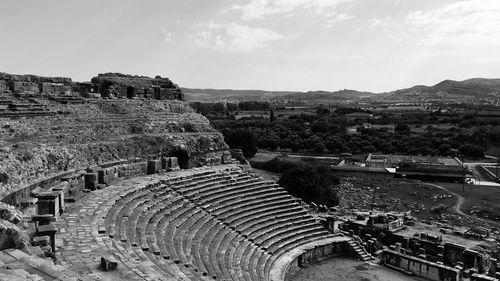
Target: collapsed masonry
<point x="107" y="85"/>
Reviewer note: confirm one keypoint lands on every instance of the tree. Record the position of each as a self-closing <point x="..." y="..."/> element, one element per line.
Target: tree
<point x="244" y="139"/>
<point x="402" y="128"/>
<point x="271" y="116"/>
<point x="472" y="151"/>
<point x="312" y="184"/>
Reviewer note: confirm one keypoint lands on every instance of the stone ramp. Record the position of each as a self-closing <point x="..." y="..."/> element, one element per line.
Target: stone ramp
<point x="17" y="265"/>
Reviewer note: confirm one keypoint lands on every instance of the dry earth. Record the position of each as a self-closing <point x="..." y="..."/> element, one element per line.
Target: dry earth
<point x="345" y="269"/>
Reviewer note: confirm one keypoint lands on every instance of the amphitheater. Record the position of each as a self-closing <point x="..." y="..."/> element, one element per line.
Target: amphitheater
<point x="119" y="179"/>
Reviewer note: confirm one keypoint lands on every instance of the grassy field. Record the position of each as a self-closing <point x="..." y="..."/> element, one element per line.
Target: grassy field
<point x="478" y="197"/>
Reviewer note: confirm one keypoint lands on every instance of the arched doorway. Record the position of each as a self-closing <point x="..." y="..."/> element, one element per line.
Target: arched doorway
<point x="182" y="158"/>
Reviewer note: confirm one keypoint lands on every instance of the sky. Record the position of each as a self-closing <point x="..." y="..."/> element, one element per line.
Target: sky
<point x="299" y="45"/>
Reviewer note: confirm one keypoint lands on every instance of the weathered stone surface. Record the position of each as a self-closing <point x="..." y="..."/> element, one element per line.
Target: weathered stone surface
<point x="99" y="132"/>
<point x="154" y="166"/>
<point x="19" y="237"/>
<point x="41" y="241"/>
<point x="131" y="86"/>
<point x="9" y="213"/>
<point x="3" y="86"/>
<point x="108" y="264"/>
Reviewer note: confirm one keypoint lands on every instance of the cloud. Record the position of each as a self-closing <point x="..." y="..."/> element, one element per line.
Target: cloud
<point x="258" y="9"/>
<point x="467" y="23"/>
<point x="167" y="35"/>
<point x="333" y="19"/>
<point x="233" y="37"/>
<point x="374" y="23"/>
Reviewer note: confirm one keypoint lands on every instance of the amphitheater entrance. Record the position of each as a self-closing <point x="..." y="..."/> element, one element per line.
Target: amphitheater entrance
<point x="182" y="158"/>
<point x="131" y="93"/>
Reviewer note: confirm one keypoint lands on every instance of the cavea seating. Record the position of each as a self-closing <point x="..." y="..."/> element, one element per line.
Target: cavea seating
<point x="216" y="224"/>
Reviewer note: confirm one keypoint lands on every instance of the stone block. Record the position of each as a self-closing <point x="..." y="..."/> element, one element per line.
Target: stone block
<point x="108" y="264"/>
<point x="3" y="86"/>
<point x="91" y="181"/>
<point x="48" y="203"/>
<point x="154" y="166"/>
<point x="43" y="219"/>
<point x="29" y="201"/>
<point x="102" y="176"/>
<point x="174" y="163"/>
<point x="41" y="241"/>
<point x="48" y="229"/>
<point x="165" y="162"/>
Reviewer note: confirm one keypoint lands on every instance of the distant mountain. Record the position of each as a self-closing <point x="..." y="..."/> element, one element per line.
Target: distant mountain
<point x="227" y="94"/>
<point x="450" y="89"/>
<point x="341" y="95"/>
<point x="479" y="88"/>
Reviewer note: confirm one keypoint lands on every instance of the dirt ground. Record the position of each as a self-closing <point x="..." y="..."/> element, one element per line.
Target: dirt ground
<point x="392" y="195"/>
<point x="482" y="201"/>
<point x="345" y="269"/>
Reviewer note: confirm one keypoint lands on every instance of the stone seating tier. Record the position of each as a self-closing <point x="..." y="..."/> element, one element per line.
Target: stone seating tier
<point x="194" y="224"/>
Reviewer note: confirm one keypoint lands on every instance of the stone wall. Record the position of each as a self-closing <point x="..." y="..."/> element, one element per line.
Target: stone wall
<point x="77" y="136"/>
<point x="3" y="86"/>
<point x="419" y="267"/>
<point x="11" y="235"/>
<point x="315" y="255"/>
<point x="109" y="85"/>
<point x="45" y="130"/>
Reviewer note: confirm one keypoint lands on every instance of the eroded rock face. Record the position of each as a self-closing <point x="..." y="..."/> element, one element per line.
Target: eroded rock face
<point x="34" y="78"/>
<point x="109" y="85"/>
<point x="82" y="135"/>
<point x="42" y="135"/>
<point x="128" y="86"/>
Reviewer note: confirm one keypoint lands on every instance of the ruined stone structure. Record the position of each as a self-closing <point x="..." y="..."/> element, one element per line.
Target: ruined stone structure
<point x="127" y="86"/>
<point x="120" y="176"/>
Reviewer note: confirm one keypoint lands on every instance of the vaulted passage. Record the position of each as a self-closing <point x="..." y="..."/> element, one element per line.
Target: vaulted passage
<point x="182" y="158"/>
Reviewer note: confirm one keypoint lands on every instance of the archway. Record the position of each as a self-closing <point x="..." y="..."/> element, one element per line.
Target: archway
<point x="131" y="93"/>
<point x="182" y="158"/>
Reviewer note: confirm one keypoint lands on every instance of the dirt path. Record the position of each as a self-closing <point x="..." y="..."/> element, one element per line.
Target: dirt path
<point x="457" y="208"/>
<point x="460" y="199"/>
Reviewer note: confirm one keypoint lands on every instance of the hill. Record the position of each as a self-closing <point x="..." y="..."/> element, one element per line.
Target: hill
<point x="475" y="88"/>
<point x="240" y="95"/>
<point x="228" y="94"/>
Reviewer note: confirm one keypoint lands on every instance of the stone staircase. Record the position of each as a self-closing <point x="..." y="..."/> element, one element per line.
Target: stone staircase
<point x="359" y="251"/>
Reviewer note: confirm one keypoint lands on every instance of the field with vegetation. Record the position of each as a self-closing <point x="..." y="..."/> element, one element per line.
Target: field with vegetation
<point x="326" y="131"/>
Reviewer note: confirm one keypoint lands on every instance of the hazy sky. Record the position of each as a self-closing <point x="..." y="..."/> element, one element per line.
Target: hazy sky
<point x="374" y="45"/>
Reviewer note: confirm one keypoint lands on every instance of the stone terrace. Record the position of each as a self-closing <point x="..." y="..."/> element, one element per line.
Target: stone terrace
<point x="99" y="131"/>
<point x="199" y="224"/>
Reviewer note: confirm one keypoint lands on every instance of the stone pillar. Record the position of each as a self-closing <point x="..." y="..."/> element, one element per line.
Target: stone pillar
<point x="154" y="166"/>
<point x="48" y="230"/>
<point x="469" y="259"/>
<point x="165" y="163"/>
<point x="174" y="163"/>
<point x="61" y="190"/>
<point x="48" y="203"/>
<point x="406" y="243"/>
<point x="330" y="222"/>
<point x="91" y="181"/>
<point x="226" y="158"/>
<point x="398" y="247"/>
